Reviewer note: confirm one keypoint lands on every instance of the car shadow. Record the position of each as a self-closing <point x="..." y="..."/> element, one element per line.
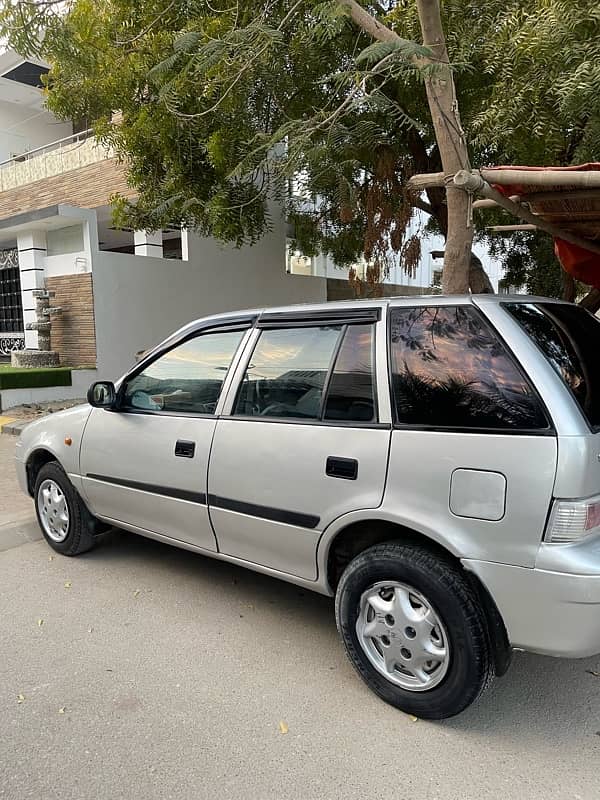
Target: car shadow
<point x="545" y="697"/>
<point x="249" y="587"/>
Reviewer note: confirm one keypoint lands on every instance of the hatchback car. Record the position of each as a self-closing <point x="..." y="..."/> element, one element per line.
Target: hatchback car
<point x="432" y="462"/>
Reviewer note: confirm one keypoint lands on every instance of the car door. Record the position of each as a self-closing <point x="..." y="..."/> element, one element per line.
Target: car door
<point x="473" y="453"/>
<point x="300" y="441"/>
<point x="144" y="465"/>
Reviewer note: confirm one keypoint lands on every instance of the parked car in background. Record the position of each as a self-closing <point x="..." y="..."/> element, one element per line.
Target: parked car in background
<point x="433" y="462"/>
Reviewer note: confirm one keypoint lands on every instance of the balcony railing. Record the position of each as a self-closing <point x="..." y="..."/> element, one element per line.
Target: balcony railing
<point x="50" y="159"/>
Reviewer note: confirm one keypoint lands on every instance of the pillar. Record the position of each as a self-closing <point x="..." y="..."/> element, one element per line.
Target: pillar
<point x="148" y="243"/>
<point x="32" y="255"/>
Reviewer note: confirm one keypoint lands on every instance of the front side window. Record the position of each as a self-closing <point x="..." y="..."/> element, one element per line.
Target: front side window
<point x="187" y="379"/>
<point x="287" y="373"/>
<point x="569" y="337"/>
<point x="450" y="370"/>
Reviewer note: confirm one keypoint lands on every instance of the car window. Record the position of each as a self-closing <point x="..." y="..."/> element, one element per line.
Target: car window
<point x="187" y="379"/>
<point x="449" y="369"/>
<point x="350" y="395"/>
<point x="287" y="373"/>
<point x="569" y="337"/>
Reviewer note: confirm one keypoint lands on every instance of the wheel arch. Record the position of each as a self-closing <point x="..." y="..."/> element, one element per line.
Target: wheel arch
<point x="35" y="461"/>
<point x="349" y="540"/>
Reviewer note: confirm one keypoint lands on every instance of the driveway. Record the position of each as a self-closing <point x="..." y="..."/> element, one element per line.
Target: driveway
<point x="142" y="671"/>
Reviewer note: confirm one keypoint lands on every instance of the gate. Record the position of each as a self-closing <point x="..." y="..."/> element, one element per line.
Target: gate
<point x="12" y="329"/>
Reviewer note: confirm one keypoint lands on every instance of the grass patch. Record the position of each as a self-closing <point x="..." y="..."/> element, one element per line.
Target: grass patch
<point x="34" y="378"/>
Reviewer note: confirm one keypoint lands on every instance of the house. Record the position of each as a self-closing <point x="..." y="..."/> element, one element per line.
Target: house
<point x="120" y="291"/>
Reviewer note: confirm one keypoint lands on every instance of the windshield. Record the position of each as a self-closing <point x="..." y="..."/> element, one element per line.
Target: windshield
<point x="569" y="337"/>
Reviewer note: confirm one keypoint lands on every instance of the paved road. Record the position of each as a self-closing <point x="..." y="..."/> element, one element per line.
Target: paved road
<point x="17" y="523"/>
<point x="174" y="672"/>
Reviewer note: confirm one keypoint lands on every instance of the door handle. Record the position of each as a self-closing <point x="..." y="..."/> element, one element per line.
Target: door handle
<point x="185" y="449"/>
<point x="346" y="468"/>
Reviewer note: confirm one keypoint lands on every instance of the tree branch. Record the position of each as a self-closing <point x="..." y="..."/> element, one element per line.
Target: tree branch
<point x="422" y="205"/>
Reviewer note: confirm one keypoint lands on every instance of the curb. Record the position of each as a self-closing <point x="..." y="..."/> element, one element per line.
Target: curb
<point x="14" y="427"/>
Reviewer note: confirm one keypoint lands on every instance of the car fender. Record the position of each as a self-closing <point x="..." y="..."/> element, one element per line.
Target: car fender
<point x="381" y="514"/>
<point x="59" y="434"/>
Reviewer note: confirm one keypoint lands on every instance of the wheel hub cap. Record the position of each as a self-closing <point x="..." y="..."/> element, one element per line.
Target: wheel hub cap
<point x="402" y="636"/>
<point x="53" y="510"/>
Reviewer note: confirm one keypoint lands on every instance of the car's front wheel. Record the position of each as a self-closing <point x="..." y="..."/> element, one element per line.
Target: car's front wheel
<point x="65" y="522"/>
<point x="414" y="630"/>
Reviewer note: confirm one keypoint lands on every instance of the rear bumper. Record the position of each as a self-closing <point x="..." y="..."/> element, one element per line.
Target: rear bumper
<point x="545" y="611"/>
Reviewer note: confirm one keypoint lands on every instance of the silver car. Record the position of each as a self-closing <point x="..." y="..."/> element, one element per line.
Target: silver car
<point x="433" y="462"/>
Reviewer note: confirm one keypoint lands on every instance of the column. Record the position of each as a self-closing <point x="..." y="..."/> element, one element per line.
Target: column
<point x="148" y="243"/>
<point x="185" y="245"/>
<point x="32" y="254"/>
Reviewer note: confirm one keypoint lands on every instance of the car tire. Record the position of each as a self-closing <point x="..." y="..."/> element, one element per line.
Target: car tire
<point x="67" y="525"/>
<point x="395" y="605"/>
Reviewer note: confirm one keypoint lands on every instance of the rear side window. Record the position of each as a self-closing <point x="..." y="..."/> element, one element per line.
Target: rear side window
<point x="569" y="337"/>
<point x="450" y="370"/>
<point x="312" y="373"/>
<point x="287" y="373"/>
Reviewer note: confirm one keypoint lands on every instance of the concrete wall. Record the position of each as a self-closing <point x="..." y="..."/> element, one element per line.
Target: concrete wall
<point x="140" y="300"/>
<point x="81" y="381"/>
<point x="24" y="128"/>
<point x="342" y="290"/>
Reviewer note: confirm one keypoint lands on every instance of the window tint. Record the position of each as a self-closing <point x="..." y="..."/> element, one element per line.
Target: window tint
<point x="350" y="395"/>
<point x="188" y="378"/>
<point x="569" y="337"/>
<point x="287" y="372"/>
<point x="450" y="370"/>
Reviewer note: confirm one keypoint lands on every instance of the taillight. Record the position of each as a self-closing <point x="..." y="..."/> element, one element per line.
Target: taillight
<point x="571" y="520"/>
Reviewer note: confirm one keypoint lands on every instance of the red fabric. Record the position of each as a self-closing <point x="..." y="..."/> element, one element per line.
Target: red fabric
<point x="582" y="264"/>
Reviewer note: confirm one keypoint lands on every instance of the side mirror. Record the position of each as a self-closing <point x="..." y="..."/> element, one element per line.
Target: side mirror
<point x="102" y="394"/>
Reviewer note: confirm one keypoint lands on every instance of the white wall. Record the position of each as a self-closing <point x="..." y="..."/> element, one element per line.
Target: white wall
<point x="24" y="128"/>
<point x="81" y="381"/>
<point x="139" y="300"/>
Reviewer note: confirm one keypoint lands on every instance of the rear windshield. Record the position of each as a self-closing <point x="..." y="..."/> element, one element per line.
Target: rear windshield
<point x="569" y="337"/>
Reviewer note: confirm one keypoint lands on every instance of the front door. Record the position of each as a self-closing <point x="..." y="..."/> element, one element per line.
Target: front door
<point x="145" y="464"/>
<point x="301" y="444"/>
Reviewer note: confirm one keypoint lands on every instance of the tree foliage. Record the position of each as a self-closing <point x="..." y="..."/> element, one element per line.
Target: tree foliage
<point x="223" y="104"/>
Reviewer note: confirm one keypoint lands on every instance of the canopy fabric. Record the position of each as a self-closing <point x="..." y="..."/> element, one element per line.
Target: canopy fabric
<point x="568" y="207"/>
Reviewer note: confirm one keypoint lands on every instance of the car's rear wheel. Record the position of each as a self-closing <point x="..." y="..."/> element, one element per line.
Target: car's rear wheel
<point x="414" y="630"/>
<point x="65" y="521"/>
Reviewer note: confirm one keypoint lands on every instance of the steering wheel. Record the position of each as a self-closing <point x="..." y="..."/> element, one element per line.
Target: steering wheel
<point x="261" y="393"/>
<point x="274" y="410"/>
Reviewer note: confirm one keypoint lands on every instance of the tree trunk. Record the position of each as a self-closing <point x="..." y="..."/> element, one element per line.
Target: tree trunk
<point x="443" y="105"/>
<point x="479" y="281"/>
<point x="441" y="96"/>
<point x="569" y="291"/>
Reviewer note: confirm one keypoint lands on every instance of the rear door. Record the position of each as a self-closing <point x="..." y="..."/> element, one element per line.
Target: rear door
<point x="473" y="454"/>
<point x="300" y="441"/>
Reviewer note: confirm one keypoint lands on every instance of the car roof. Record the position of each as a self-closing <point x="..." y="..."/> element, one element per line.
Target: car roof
<point x="374" y="302"/>
<point x="251" y="315"/>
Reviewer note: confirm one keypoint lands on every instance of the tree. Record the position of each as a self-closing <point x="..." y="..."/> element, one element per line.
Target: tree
<point x="222" y="105"/>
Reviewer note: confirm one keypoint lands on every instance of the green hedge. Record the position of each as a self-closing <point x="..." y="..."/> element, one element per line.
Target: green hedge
<point x="34" y="378"/>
